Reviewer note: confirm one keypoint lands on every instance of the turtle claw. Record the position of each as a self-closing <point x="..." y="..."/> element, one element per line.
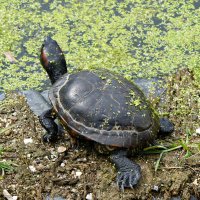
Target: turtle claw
<point x="48" y="138"/>
<point x="129" y="172"/>
<point x="128" y="179"/>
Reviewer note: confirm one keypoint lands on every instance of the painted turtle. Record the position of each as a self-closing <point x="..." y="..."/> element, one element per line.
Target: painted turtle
<point x="102" y="107"/>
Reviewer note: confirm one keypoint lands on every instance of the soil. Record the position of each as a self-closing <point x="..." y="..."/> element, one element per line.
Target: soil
<point x="44" y="171"/>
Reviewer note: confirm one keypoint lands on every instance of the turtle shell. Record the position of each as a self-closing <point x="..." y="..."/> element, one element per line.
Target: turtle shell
<point x="104" y="107"/>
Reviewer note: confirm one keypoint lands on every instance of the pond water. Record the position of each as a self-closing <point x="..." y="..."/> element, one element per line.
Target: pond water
<point x="139" y="39"/>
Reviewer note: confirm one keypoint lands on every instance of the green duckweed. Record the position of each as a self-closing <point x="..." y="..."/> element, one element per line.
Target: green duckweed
<point x="134" y="38"/>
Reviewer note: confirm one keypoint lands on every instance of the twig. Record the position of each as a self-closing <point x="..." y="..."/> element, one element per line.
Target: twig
<point x="173" y="167"/>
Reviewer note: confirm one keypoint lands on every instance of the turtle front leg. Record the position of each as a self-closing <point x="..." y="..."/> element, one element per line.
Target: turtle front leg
<point x="129" y="172"/>
<point x="47" y="121"/>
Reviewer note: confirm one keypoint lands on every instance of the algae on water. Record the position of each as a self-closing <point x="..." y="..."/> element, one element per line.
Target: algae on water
<point x="143" y="38"/>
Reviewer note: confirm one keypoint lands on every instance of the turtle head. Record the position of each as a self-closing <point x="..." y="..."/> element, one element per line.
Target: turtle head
<point x="52" y="59"/>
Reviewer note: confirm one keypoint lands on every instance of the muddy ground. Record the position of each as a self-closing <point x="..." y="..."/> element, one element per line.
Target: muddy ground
<point x="42" y="171"/>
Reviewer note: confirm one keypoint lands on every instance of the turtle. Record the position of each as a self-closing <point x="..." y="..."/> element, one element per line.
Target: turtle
<point x="102" y="107"/>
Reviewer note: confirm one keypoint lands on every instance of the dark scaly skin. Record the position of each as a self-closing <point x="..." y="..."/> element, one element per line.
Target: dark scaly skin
<point x="52" y="59"/>
<point x="129" y="173"/>
<point x="166" y="126"/>
<point x="73" y="97"/>
<point x="47" y="121"/>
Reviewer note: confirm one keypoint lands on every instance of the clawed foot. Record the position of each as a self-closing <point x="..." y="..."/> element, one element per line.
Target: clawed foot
<point x="129" y="172"/>
<point x="128" y="178"/>
<point x="49" y="138"/>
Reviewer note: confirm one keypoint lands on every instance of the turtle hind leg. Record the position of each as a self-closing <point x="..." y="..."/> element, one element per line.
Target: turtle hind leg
<point x="129" y="173"/>
<point x="47" y="121"/>
<point x="166" y="126"/>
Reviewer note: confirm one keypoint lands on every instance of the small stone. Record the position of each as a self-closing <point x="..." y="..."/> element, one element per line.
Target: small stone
<point x="78" y="174"/>
<point x="53" y="155"/>
<point x="195" y="182"/>
<point x="28" y="155"/>
<point x="46" y="157"/>
<point x="32" y="168"/>
<point x="155" y="188"/>
<point x="198" y="131"/>
<point x="61" y="149"/>
<point x="28" y="140"/>
<point x="82" y="159"/>
<point x="74" y="190"/>
<point x="89" y="196"/>
<point x="62" y="164"/>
